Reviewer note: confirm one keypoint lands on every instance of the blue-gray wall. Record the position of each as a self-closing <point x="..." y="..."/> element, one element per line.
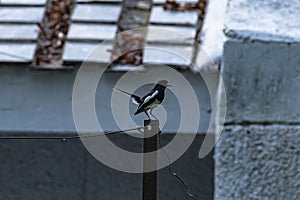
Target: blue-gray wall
<point x="38" y="103"/>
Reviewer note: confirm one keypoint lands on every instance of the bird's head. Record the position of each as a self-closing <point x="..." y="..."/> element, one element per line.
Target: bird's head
<point x="163" y="83"/>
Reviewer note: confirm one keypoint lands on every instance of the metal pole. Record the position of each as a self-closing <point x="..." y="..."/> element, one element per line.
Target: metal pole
<point x="150" y="145"/>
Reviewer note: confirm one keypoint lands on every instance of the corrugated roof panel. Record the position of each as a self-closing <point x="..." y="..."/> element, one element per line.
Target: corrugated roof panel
<point x="168" y="54"/>
<point x="161" y="16"/>
<point x="185" y="1"/>
<point x="21" y="14"/>
<point x="24" y="2"/>
<point x="79" y="52"/>
<point x="12" y="52"/>
<point x="171" y="34"/>
<point x="96" y="13"/>
<point x="92" y="31"/>
<point x="99" y="1"/>
<point x="18" y="32"/>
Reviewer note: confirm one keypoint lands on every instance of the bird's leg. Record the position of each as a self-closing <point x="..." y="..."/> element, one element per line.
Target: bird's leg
<point x="152" y="114"/>
<point x="147" y="114"/>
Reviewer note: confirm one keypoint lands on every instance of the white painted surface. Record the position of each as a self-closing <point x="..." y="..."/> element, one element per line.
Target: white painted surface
<point x="212" y="36"/>
<point x="267" y="20"/>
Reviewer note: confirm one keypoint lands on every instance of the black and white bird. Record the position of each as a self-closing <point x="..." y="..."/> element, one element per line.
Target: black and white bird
<point x="150" y="100"/>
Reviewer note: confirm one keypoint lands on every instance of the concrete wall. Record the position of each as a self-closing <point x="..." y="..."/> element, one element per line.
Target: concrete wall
<point x="53" y="169"/>
<point x="41" y="101"/>
<point x="38" y="103"/>
<point x="257" y="157"/>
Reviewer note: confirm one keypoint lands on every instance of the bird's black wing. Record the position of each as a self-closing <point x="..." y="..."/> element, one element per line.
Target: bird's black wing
<point x="135" y="99"/>
<point x="147" y="101"/>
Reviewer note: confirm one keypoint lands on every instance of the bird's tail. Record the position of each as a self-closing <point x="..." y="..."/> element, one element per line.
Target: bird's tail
<point x="135" y="99"/>
<point x="122" y="91"/>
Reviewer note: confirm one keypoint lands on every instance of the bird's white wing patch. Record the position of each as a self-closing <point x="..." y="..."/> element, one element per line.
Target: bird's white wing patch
<point x="150" y="97"/>
<point x="133" y="100"/>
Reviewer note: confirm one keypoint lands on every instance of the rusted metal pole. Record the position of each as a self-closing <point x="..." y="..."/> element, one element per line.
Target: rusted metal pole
<point x="150" y="145"/>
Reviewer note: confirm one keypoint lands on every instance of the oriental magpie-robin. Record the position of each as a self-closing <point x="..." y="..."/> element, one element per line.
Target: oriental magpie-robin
<point x="150" y="100"/>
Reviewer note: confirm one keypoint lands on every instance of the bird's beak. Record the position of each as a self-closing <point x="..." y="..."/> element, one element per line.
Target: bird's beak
<point x="169" y="85"/>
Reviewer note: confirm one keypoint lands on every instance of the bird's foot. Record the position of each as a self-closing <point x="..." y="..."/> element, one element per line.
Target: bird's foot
<point x="153" y="114"/>
<point x="147" y="115"/>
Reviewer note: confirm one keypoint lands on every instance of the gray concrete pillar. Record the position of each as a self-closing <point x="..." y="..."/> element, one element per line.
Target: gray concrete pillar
<point x="257" y="156"/>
